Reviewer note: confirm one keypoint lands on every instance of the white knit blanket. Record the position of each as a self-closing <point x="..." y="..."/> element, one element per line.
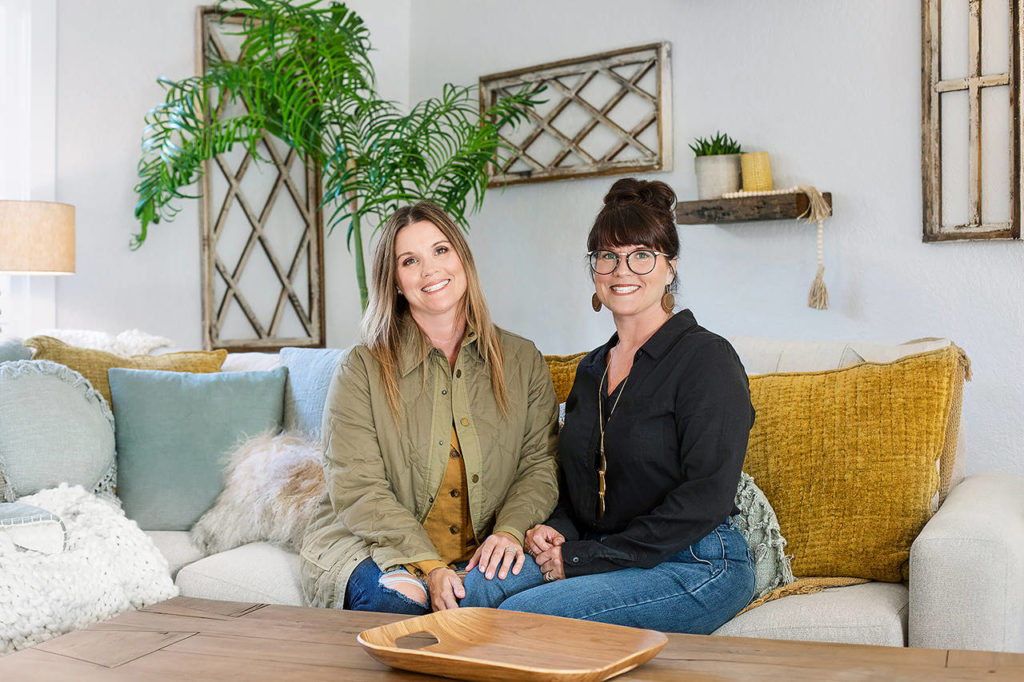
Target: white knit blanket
<point x="110" y="566"/>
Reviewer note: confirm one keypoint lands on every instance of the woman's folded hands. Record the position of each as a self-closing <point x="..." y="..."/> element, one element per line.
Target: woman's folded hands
<point x="544" y="543"/>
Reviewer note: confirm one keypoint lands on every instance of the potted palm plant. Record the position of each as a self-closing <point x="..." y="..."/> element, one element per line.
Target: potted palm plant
<point x="305" y="76"/>
<point x="717" y="165"/>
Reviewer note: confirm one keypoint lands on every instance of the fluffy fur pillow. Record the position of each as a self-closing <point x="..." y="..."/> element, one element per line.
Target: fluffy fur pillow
<point x="272" y="485"/>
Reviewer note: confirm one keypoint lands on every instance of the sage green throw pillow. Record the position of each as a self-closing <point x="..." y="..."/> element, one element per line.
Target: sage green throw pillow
<point x="54" y="428"/>
<point x="174" y="430"/>
<point x="760" y="526"/>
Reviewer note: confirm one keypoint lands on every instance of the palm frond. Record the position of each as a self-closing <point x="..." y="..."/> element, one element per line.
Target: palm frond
<point x="304" y="75"/>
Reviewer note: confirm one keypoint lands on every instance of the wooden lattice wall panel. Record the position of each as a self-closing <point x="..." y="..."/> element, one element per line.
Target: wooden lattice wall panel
<point x="262" y="232"/>
<point x="605" y="113"/>
<point x="971" y="128"/>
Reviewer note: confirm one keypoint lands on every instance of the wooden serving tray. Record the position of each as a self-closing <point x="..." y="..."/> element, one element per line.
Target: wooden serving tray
<point x="487" y="644"/>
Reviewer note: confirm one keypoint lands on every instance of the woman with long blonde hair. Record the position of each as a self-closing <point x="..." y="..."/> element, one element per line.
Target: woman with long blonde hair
<point x="439" y="438"/>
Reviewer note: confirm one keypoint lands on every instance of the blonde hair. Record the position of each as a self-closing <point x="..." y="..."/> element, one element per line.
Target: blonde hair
<point x="381" y="323"/>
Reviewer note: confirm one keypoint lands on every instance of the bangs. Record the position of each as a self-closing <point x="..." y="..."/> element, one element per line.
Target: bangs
<point x="627" y="225"/>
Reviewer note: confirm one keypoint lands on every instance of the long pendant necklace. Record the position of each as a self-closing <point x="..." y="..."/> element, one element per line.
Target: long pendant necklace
<point x="603" y="468"/>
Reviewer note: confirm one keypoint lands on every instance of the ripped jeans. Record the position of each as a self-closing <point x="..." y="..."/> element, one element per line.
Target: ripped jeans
<point x="695" y="591"/>
<point x="366" y="593"/>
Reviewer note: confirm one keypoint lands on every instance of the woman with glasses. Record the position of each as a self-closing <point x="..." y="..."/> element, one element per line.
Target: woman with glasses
<point x="439" y="438"/>
<point x="655" y="433"/>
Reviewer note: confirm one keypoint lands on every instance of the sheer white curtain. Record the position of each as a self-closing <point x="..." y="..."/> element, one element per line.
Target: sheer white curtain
<point x="28" y="89"/>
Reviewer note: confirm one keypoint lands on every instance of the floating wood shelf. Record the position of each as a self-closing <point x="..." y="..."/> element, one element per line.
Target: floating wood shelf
<point x="744" y="209"/>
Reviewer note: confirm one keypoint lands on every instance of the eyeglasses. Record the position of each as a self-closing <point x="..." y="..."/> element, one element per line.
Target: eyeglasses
<point x="640" y="262"/>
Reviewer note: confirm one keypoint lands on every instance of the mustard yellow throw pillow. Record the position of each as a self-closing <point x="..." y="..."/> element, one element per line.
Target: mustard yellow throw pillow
<point x="563" y="372"/>
<point x="850" y="458"/>
<point x="93" y="364"/>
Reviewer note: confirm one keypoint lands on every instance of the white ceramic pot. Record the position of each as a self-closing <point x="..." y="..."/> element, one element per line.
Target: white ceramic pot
<point x="717" y="175"/>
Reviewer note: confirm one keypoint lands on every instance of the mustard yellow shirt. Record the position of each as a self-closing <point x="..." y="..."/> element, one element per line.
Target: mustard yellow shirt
<point x="448" y="523"/>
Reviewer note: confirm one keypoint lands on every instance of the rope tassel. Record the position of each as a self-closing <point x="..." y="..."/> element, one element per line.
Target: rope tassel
<point x="817" y="210"/>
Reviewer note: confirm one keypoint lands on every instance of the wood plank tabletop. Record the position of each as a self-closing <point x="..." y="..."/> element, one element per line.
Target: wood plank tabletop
<point x="196" y="639"/>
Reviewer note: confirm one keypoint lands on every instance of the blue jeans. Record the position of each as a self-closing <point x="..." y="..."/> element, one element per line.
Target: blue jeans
<point x="695" y="591"/>
<point x="365" y="593"/>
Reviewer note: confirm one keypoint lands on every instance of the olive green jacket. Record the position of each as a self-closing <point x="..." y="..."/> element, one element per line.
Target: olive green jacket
<point x="382" y="481"/>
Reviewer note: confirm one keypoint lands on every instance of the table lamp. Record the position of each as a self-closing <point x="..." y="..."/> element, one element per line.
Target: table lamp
<point x="37" y="238"/>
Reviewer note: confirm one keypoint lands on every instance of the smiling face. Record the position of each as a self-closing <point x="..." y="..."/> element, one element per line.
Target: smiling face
<point x="626" y="293"/>
<point x="429" y="272"/>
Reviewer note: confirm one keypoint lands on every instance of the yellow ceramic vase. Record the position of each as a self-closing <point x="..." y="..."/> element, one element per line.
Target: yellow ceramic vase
<point x="757" y="172"/>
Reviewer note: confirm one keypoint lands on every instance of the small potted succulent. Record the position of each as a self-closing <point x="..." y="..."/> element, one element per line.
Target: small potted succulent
<point x="717" y="165"/>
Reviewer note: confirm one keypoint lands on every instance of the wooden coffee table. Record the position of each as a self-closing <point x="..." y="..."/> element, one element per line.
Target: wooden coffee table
<point x="197" y="639"/>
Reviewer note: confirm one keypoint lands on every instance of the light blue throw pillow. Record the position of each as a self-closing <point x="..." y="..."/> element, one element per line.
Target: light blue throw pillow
<point x="174" y="430"/>
<point x="54" y="428"/>
<point x="12" y="349"/>
<point x="310" y="371"/>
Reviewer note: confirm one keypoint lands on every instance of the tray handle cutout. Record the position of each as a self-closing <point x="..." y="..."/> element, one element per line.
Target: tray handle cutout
<point x="417" y="640"/>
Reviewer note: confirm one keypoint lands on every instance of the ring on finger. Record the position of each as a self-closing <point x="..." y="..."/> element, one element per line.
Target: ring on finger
<point x="548" y="577"/>
<point x="510" y="549"/>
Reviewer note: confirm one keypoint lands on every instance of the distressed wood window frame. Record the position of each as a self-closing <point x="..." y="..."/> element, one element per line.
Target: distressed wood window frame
<point x="309" y="309"/>
<point x="931" y="125"/>
<point x="494" y="86"/>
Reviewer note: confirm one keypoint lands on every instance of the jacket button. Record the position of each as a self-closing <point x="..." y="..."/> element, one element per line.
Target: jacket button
<point x="444" y="391"/>
<point x="458" y="374"/>
<point x="575" y="559"/>
<point x="476" y="478"/>
<point x="431" y="500"/>
<point x="453" y="530"/>
<point x="440" y="442"/>
<point x="455" y="493"/>
<point x="465" y="422"/>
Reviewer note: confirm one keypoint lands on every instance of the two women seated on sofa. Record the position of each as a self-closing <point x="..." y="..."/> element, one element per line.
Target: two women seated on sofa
<point x="440" y="438"/>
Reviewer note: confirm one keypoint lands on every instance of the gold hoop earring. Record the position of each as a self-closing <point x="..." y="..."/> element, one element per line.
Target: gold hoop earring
<point x="595" y="303"/>
<point x="668" y="301"/>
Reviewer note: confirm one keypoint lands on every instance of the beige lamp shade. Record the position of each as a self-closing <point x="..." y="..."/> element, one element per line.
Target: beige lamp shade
<point x="37" y="238"/>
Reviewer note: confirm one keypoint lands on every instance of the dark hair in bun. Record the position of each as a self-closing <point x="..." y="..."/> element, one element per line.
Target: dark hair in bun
<point x="636" y="212"/>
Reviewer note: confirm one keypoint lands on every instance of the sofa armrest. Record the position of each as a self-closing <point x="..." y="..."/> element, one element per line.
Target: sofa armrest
<point x="967" y="569"/>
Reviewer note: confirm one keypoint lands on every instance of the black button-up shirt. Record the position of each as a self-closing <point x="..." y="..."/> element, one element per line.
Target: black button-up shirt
<point x="675" y="446"/>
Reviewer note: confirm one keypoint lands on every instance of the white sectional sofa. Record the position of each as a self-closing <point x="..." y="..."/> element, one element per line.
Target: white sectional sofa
<point x="966" y="586"/>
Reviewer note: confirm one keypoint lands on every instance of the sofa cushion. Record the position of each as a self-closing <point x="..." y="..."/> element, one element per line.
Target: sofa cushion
<point x="250" y="362"/>
<point x="870" y="613"/>
<point x="173" y="432"/>
<point x="310" y="371"/>
<point x="563" y="372"/>
<point x="257" y="572"/>
<point x="93" y="364"/>
<point x="767" y="356"/>
<point x="12" y="349"/>
<point x="177" y="547"/>
<point x="849" y="459"/>
<point x="54" y="428"/>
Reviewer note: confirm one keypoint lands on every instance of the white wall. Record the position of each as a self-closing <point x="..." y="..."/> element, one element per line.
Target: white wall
<point x="832" y="90"/>
<point x="109" y="54"/>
